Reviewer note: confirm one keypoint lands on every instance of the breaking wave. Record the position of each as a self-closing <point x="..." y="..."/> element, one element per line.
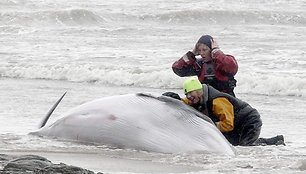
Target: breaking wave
<point x="151" y="77"/>
<point x="70" y="17"/>
<point x="88" y="17"/>
<point x="234" y="17"/>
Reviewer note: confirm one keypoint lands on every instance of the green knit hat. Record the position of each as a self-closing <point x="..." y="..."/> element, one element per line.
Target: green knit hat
<point x="192" y="84"/>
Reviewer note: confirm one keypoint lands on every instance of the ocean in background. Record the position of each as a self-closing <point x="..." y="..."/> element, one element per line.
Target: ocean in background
<point x="93" y="49"/>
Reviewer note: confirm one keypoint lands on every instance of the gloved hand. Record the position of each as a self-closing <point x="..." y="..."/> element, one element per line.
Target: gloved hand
<point x="189" y="57"/>
<point x="172" y="95"/>
<point x="195" y="50"/>
<point x="214" y="44"/>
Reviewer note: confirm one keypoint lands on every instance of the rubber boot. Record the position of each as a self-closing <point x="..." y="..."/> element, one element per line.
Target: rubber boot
<point x="277" y="140"/>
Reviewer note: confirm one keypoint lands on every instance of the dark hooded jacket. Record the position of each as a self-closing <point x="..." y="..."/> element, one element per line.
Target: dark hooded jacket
<point x="236" y="119"/>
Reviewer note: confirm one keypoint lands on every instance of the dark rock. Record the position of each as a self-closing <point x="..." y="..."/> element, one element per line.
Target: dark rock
<point x="27" y="163"/>
<point x="63" y="168"/>
<point x="33" y="164"/>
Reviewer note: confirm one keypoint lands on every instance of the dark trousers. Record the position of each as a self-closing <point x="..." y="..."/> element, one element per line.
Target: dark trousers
<point x="247" y="132"/>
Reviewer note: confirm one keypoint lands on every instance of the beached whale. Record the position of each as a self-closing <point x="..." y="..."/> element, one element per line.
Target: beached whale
<point x="141" y="122"/>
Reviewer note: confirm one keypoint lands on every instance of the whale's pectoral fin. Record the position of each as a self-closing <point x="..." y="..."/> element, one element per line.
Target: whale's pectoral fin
<point x="51" y="111"/>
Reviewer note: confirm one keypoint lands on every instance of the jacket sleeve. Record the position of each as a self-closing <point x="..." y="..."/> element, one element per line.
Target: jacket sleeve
<point x="224" y="110"/>
<point x="186" y="66"/>
<point x="224" y="63"/>
<point x="186" y="101"/>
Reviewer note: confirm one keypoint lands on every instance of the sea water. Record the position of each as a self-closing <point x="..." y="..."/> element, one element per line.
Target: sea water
<point x="93" y="49"/>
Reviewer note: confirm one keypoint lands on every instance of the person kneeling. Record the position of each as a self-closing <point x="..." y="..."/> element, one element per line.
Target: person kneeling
<point x="236" y="119"/>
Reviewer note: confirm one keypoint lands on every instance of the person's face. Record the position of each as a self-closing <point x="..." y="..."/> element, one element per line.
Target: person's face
<point x="204" y="52"/>
<point x="194" y="97"/>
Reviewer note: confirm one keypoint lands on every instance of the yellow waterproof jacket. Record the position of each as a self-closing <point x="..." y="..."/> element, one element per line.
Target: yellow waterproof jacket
<point x="223" y="110"/>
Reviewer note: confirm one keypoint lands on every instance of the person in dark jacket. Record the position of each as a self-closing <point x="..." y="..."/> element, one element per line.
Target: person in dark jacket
<point x="214" y="67"/>
<point x="236" y="119"/>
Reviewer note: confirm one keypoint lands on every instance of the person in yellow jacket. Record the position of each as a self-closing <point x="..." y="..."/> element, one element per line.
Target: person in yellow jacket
<point x="236" y="119"/>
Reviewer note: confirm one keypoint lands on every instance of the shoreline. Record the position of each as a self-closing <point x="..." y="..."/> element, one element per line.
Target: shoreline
<point x="101" y="163"/>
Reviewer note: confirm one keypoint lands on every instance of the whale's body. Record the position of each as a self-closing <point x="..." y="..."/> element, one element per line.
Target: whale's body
<point x="141" y="122"/>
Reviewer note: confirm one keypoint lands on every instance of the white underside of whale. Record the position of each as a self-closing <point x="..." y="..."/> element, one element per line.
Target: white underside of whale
<point x="141" y="122"/>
